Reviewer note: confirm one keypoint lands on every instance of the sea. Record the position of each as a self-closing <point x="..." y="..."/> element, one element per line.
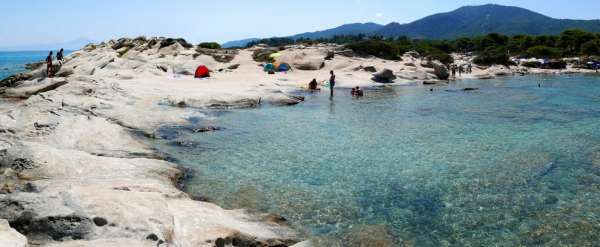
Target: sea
<point x="513" y="162"/>
<point x="13" y="62"/>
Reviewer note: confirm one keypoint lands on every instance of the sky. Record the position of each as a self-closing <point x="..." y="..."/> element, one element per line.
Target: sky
<point x="27" y="23"/>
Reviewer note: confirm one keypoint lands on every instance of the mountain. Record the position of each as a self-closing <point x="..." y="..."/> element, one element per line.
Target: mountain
<point x="238" y="43"/>
<point x="465" y="21"/>
<point x="348" y="29"/>
<point x="75" y="44"/>
<point x="480" y="20"/>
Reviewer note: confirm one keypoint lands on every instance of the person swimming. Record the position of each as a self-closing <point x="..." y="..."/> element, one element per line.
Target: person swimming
<point x="357" y="92"/>
<point x="312" y="85"/>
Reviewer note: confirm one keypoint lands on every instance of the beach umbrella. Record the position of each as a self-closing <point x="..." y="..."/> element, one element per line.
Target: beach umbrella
<point x="275" y="55"/>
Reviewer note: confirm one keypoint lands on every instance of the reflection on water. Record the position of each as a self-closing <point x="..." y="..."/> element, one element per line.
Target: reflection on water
<point x="506" y="165"/>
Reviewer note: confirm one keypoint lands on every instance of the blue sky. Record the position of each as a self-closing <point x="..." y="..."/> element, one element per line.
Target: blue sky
<point x="29" y="22"/>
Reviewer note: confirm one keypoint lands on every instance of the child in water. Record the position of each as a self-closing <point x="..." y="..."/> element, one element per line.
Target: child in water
<point x="357" y="92"/>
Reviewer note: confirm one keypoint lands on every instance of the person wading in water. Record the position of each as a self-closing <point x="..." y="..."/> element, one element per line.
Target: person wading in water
<point x="331" y="82"/>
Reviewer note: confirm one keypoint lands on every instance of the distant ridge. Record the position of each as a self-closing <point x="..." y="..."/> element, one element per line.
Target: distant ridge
<point x="347" y="29"/>
<point x="466" y="21"/>
<point x="479" y="20"/>
<point x="238" y="43"/>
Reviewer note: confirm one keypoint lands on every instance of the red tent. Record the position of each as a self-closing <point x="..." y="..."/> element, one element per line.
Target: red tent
<point x="202" y="72"/>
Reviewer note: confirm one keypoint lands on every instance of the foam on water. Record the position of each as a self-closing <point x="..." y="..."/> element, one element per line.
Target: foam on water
<point x="509" y="164"/>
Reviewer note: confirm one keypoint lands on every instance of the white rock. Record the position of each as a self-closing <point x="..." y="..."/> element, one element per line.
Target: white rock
<point x="10" y="237"/>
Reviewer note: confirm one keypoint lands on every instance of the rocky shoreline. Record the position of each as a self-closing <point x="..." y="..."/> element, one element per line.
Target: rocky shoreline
<point x="72" y="173"/>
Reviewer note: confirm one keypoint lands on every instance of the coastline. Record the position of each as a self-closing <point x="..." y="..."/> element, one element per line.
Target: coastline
<point x="68" y="155"/>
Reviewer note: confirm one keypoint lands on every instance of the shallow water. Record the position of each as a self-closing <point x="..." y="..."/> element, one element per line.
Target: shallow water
<point x="14" y="62"/>
<point x="509" y="164"/>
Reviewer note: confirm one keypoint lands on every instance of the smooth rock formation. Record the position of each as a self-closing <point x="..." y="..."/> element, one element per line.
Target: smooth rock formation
<point x="9" y="237"/>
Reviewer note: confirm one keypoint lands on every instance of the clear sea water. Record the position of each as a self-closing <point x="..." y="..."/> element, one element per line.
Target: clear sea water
<point x="510" y="164"/>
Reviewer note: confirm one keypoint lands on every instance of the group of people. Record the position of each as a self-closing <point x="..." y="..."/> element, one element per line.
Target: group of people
<point x="461" y="69"/>
<point x="314" y="85"/>
<point x="60" y="56"/>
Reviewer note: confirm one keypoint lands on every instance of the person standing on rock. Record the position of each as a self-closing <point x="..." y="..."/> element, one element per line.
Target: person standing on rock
<point x="49" y="64"/>
<point x="60" y="55"/>
<point x="331" y="82"/>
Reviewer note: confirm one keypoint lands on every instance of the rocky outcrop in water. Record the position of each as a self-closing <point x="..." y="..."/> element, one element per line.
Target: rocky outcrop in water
<point x="385" y="76"/>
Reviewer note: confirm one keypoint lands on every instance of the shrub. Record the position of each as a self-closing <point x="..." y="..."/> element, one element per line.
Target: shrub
<point x="555" y="64"/>
<point x="169" y="41"/>
<point x="435" y="54"/>
<point x="379" y="48"/>
<point x="532" y="64"/>
<point x="209" y="45"/>
<point x="541" y="51"/>
<point x="493" y="55"/>
<point x="591" y="48"/>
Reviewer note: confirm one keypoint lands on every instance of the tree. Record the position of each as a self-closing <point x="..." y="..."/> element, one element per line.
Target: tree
<point x="571" y="41"/>
<point x="464" y="45"/>
<point x="493" y="55"/>
<point x="209" y="45"/>
<point x="591" y="48"/>
<point x="541" y="51"/>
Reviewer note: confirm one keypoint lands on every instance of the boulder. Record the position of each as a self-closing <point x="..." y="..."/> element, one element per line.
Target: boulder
<point x="330" y="55"/>
<point x="122" y="43"/>
<point x="235" y="66"/>
<point x="29" y="88"/>
<point x="184" y="70"/>
<point x="66" y="72"/>
<point x="430" y="82"/>
<point x="169" y="42"/>
<point x="220" y="55"/>
<point x="385" y="76"/>
<point x="262" y="55"/>
<point x="439" y="70"/>
<point x="345" y="53"/>
<point x="309" y="65"/>
<point x="371" y="69"/>
<point x="208" y="129"/>
<point x="414" y="54"/>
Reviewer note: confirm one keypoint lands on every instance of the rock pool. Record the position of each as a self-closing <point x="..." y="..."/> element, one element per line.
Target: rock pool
<point x="508" y="164"/>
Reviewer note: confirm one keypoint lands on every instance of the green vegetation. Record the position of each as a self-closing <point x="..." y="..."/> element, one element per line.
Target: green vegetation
<point x="543" y="51"/>
<point x="170" y="41"/>
<point x="209" y="45"/>
<point x="489" y="49"/>
<point x="383" y="49"/>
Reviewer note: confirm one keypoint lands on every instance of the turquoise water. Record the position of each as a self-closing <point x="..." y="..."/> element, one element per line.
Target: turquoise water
<point x="13" y="62"/>
<point x="509" y="164"/>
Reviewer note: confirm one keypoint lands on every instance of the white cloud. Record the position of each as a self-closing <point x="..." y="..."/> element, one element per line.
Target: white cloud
<point x="378" y="15"/>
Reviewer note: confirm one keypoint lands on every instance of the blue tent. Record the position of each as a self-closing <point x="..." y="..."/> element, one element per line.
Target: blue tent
<point x="269" y="67"/>
<point x="284" y="67"/>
